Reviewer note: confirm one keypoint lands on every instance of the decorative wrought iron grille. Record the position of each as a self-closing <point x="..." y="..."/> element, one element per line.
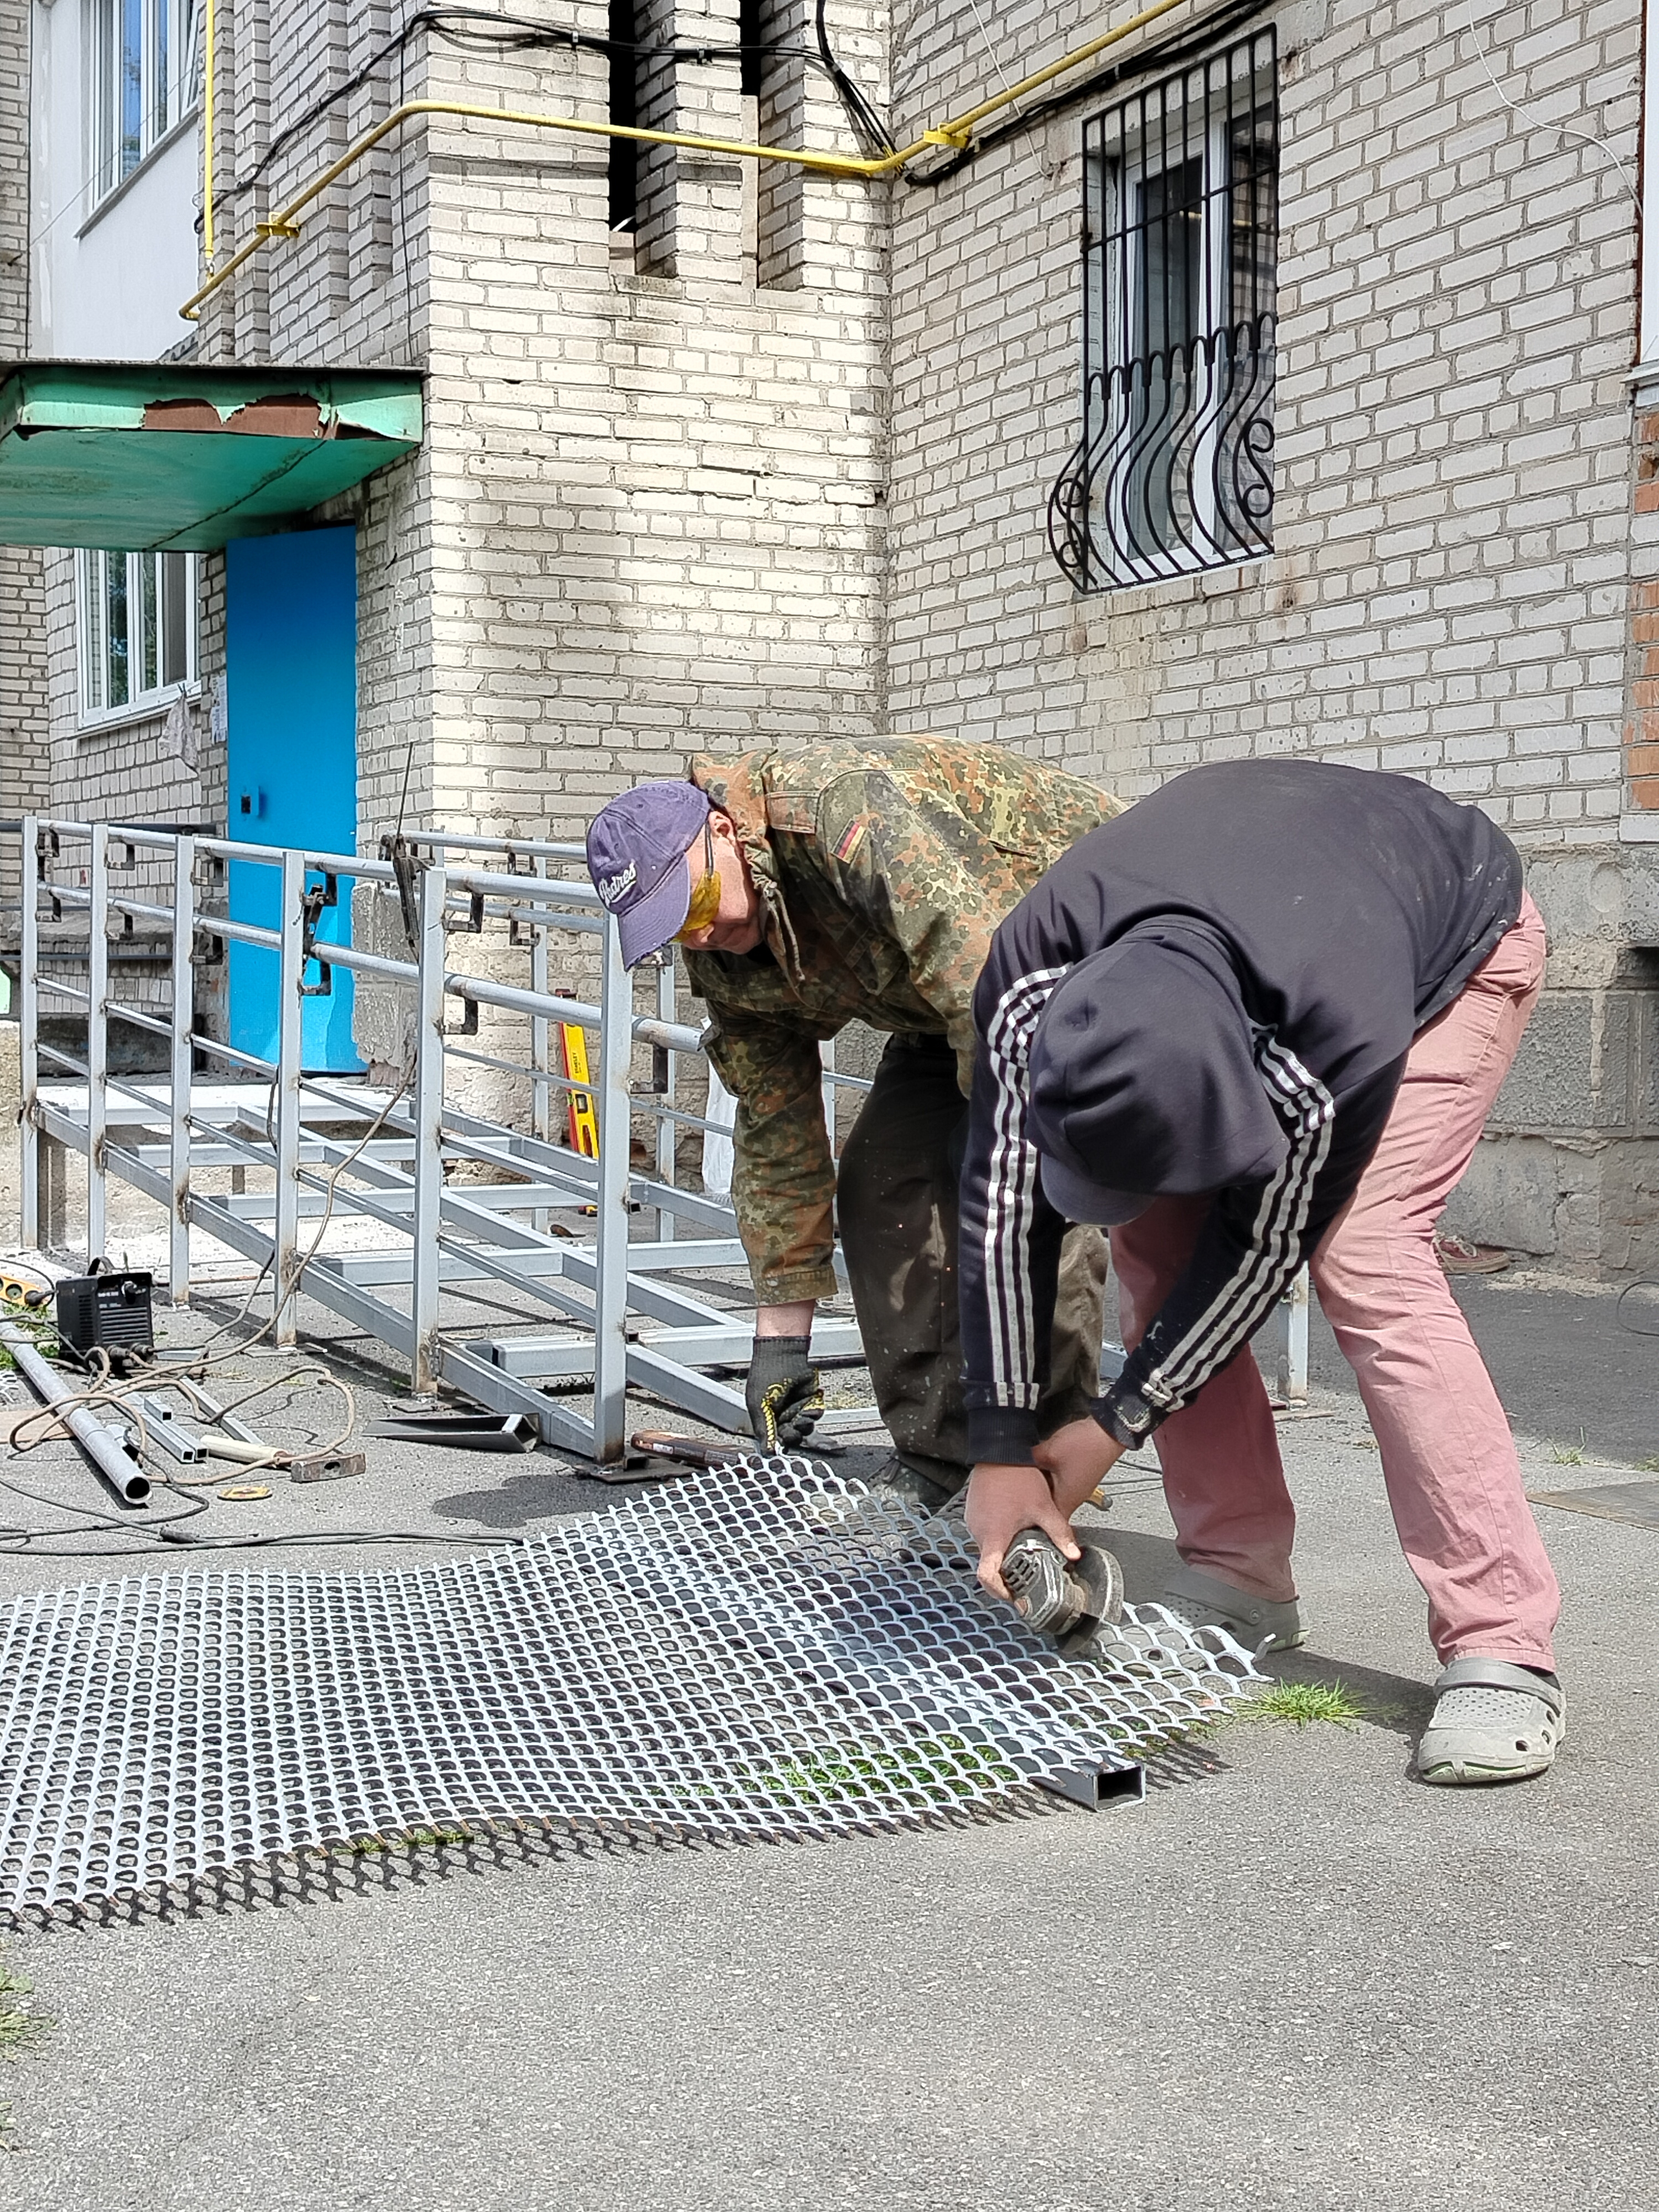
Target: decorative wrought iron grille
<point x="1174" y="469"/>
<point x="766" y="1649"/>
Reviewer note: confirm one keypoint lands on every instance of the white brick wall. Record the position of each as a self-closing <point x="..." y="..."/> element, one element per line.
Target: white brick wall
<point x="23" y="613"/>
<point x="1448" y="589"/>
<point x="659" y="511"/>
<point x="648" y="516"/>
<point x="120" y="770"/>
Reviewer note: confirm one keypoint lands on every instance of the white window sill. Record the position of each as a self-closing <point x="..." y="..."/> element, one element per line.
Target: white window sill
<point x="152" y="708"/>
<point x="117" y="193"/>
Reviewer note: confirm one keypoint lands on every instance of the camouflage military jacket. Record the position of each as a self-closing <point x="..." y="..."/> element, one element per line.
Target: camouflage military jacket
<point x="883" y="871"/>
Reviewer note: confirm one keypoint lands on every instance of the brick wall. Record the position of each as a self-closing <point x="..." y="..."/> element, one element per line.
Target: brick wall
<point x="122" y="770"/>
<point x="23" y="614"/>
<point x="647" y="514"/>
<point x="1457" y="298"/>
<point x="1455" y="529"/>
<point x="14" y="176"/>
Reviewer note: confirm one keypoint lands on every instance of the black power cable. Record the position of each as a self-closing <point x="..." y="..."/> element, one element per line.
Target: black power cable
<point x="169" y="1535"/>
<point x="868" y="128"/>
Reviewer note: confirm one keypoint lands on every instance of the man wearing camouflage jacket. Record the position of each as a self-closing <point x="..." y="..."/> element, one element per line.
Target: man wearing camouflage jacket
<point x="837" y="882"/>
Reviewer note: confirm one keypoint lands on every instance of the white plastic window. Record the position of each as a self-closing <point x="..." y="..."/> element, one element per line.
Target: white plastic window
<point x="141" y="81"/>
<point x="136" y="630"/>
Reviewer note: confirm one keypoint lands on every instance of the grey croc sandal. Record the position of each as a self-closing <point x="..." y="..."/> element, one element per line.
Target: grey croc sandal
<point x="1492" y="1722"/>
<point x="1260" y="1624"/>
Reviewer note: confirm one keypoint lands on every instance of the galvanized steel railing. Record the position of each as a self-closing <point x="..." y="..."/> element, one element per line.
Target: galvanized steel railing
<point x="613" y="1317"/>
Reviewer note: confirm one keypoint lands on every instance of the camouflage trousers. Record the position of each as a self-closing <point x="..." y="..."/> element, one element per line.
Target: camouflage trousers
<point x="896" y="1201"/>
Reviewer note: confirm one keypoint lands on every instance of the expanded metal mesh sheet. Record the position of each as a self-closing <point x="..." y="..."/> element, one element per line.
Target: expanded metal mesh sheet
<point x="765" y="1649"/>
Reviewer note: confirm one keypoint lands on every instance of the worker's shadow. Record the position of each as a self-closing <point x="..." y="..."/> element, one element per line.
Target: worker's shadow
<point x="538" y="1489"/>
<point x="1391" y="1702"/>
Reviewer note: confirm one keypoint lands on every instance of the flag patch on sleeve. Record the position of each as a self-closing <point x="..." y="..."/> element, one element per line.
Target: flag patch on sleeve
<point x="852" y="838"/>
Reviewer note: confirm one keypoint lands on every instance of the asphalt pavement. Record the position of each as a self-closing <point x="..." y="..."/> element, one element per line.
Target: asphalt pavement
<point x="1292" y="1978"/>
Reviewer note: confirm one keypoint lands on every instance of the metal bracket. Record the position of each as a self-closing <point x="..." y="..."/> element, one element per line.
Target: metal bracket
<point x="317" y="898"/>
<point x="406" y="870"/>
<point x="473" y="925"/>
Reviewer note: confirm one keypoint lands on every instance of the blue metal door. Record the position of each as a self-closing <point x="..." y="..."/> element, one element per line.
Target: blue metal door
<point x="291" y="717"/>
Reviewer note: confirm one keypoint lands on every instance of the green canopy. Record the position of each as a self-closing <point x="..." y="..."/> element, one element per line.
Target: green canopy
<point x="172" y="456"/>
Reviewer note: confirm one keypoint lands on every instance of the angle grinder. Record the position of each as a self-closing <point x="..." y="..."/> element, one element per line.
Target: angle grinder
<point x="1068" y="1599"/>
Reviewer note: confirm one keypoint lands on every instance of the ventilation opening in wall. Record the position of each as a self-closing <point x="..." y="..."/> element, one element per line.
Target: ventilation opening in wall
<point x="773" y="33"/>
<point x="623" y="109"/>
<point x="1173" y="472"/>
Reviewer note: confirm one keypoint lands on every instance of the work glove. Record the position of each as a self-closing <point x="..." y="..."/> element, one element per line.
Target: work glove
<point x="784" y="1396"/>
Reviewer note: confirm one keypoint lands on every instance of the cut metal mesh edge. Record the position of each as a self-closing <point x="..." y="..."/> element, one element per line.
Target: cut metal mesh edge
<point x="765" y="1649"/>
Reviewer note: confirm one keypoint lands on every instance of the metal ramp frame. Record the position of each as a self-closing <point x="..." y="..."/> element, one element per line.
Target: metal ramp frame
<point x="612" y="1315"/>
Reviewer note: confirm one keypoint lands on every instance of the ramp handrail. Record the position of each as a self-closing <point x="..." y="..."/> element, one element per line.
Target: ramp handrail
<point x="603" y="1289"/>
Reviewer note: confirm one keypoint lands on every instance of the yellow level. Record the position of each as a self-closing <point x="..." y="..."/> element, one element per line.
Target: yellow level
<point x="584" y="1123"/>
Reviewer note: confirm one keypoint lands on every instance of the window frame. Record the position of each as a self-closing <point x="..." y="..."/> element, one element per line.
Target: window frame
<point x="95" y="709"/>
<point x="1172" y="475"/>
<point x="166" y="96"/>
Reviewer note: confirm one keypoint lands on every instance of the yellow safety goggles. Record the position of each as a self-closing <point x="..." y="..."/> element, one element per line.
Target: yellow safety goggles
<point x="706" y="896"/>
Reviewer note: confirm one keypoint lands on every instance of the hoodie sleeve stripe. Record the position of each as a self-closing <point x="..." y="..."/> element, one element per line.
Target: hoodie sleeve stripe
<point x="1010" y="1196"/>
<point x="1275" y="1250"/>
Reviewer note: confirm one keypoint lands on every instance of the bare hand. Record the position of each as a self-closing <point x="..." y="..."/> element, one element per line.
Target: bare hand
<point x="1003" y="1500"/>
<point x="1075" y="1459"/>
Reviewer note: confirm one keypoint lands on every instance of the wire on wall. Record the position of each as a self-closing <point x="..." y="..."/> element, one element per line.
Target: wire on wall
<point x="479" y="31"/>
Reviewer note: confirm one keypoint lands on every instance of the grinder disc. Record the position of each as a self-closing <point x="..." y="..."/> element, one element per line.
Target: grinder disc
<point x="1097" y="1580"/>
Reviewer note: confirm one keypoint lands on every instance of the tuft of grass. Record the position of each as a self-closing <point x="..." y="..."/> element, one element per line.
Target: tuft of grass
<point x="937" y="1769"/>
<point x="20" y="2025"/>
<point x="405" y="1840"/>
<point x="1566" y="1455"/>
<point x="1647" y="1465"/>
<point x="1303" y="1703"/>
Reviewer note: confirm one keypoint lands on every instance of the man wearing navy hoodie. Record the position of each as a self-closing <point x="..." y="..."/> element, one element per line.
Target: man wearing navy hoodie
<point x="1262" y="1020"/>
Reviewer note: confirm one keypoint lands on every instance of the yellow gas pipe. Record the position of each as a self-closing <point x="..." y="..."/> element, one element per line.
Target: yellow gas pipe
<point x="956" y="132"/>
<point x="207" y="147"/>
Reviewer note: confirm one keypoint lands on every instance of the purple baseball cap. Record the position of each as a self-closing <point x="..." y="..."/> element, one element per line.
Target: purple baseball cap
<point x="636" y="849"/>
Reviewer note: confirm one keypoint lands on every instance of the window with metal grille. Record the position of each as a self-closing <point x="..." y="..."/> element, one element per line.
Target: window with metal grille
<point x="1174" y="469"/>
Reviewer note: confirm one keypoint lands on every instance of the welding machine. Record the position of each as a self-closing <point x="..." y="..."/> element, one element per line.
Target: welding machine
<point x="107" y="1310"/>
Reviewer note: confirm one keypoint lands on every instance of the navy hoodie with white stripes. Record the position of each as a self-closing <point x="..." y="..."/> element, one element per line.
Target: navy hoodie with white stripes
<point x="1214" y="993"/>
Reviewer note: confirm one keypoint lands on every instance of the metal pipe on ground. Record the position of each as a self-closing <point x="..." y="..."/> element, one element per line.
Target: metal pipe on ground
<point x="101" y="1445"/>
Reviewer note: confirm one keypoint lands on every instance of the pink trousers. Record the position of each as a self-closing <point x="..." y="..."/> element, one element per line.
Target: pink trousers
<point x="1448" y="1461"/>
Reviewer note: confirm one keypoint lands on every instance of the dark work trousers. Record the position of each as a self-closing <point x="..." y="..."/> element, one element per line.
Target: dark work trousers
<point x="896" y="1199"/>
